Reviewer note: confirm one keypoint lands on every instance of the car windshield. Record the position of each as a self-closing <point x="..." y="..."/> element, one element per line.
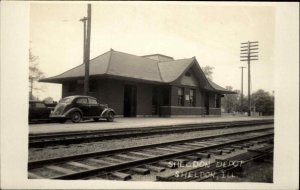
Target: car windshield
<point x="66" y="100"/>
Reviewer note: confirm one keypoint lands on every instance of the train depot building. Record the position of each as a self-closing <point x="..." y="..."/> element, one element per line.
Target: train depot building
<point x="142" y="86"/>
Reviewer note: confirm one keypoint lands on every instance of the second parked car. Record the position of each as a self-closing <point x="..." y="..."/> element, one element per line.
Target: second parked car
<point x="38" y="111"/>
<point x="78" y="108"/>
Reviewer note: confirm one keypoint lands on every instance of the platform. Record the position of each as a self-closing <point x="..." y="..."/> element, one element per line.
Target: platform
<point x="130" y="123"/>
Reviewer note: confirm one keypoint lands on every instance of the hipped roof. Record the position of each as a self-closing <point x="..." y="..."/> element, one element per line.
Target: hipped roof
<point x="118" y="64"/>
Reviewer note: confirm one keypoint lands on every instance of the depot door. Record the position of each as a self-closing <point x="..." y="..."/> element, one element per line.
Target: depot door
<point x="129" y="101"/>
<point x="207" y="103"/>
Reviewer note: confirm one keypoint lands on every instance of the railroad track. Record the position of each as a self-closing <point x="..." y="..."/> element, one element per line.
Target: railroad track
<point x="42" y="140"/>
<point x="124" y="164"/>
<point x="220" y="167"/>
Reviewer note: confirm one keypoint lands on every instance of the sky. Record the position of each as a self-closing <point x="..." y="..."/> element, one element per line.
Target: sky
<point x="211" y="33"/>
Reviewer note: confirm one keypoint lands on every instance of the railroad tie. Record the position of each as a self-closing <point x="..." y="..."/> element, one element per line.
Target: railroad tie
<point x="262" y="151"/>
<point x="193" y="158"/>
<point x="142" y="154"/>
<point x="155" y="168"/>
<point x="167" y="164"/>
<point x="217" y="152"/>
<point x="126" y="157"/>
<point x="209" y="143"/>
<point x="226" y="151"/>
<point x="188" y="146"/>
<point x="113" y="160"/>
<point x="237" y="146"/>
<point x="179" y="148"/>
<point x="195" y="144"/>
<point x="228" y="148"/>
<point x="60" y="169"/>
<point x="177" y="160"/>
<point x="34" y="176"/>
<point x="247" y="145"/>
<point x="203" y="155"/>
<point x="254" y="142"/>
<point x="99" y="161"/>
<point x="141" y="171"/>
<point x="167" y="149"/>
<point x="222" y="140"/>
<point x="153" y="151"/>
<point x="121" y="175"/>
<point x="77" y="164"/>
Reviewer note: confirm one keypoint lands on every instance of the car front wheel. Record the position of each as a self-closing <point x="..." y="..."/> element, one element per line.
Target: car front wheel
<point x="110" y="116"/>
<point x="76" y="117"/>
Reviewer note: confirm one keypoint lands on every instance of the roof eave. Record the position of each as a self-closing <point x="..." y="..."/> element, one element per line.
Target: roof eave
<point x="61" y="80"/>
<point x="226" y="92"/>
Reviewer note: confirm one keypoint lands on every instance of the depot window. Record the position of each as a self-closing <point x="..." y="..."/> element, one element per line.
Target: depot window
<point x="217" y="101"/>
<point x="192" y="97"/>
<point x="181" y="96"/>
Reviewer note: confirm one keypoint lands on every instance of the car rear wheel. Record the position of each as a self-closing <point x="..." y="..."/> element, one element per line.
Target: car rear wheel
<point x="110" y="116"/>
<point x="76" y="117"/>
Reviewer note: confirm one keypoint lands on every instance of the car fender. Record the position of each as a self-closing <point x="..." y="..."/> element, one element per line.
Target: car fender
<point x="72" y="110"/>
<point x="107" y="110"/>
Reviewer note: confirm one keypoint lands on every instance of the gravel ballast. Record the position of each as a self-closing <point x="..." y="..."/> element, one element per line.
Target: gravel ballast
<point x="51" y="152"/>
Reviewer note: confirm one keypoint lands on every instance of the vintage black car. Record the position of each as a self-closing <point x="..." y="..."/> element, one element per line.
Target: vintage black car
<point x="38" y="110"/>
<point x="79" y="108"/>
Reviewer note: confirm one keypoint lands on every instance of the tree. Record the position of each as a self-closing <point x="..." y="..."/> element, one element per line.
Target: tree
<point x="34" y="75"/>
<point x="208" y="71"/>
<point x="230" y="102"/>
<point x="48" y="100"/>
<point x="263" y="102"/>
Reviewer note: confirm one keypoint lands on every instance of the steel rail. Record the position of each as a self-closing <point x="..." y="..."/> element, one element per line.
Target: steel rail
<point x="40" y="140"/>
<point x="39" y="163"/>
<point x="136" y="163"/>
<point x="244" y="157"/>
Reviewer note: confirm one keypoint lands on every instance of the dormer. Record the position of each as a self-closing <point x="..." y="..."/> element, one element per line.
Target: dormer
<point x="159" y="57"/>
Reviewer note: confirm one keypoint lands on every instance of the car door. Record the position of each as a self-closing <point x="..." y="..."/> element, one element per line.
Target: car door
<point x="32" y="111"/>
<point x="41" y="111"/>
<point x="83" y="105"/>
<point x="94" y="107"/>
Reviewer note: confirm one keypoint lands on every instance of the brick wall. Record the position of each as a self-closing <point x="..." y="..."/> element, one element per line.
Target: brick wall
<point x="214" y="111"/>
<point x="111" y="92"/>
<point x="180" y="110"/>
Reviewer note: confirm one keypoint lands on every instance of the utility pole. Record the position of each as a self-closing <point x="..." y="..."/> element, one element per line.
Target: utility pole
<point x="249" y="51"/>
<point x="86" y="47"/>
<point x="242" y="94"/>
<point x="84" y="19"/>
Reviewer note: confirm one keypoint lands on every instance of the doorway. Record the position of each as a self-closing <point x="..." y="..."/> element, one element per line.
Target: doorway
<point x="129" y="101"/>
<point x="207" y="103"/>
<point x="155" y="95"/>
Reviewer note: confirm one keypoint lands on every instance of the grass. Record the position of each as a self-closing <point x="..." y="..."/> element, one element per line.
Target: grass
<point x="257" y="171"/>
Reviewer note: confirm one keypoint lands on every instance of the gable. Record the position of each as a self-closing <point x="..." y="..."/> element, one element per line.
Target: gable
<point x="192" y="76"/>
<point x="172" y="70"/>
<point x="188" y="79"/>
<point x="159" y="57"/>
